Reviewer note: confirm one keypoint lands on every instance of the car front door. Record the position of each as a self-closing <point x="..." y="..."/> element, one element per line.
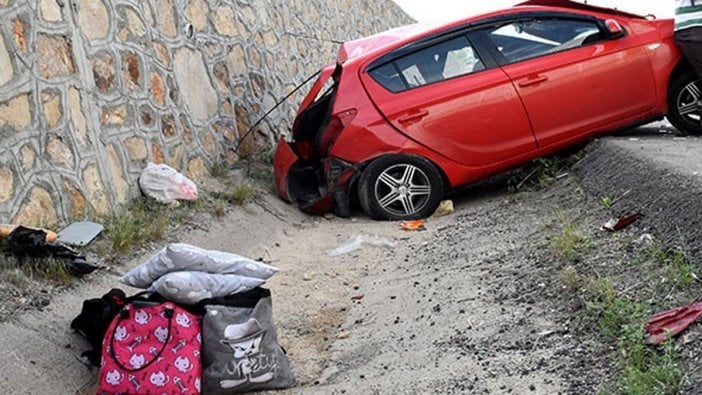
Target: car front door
<point x="452" y="101"/>
<point x="572" y="78"/>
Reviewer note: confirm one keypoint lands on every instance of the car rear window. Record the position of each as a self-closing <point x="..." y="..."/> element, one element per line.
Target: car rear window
<point x="448" y="59"/>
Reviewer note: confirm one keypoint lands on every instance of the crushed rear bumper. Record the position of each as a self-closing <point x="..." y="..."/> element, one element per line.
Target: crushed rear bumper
<point x="316" y="187"/>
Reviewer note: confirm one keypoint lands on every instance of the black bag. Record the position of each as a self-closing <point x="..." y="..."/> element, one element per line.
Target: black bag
<point x="97" y="314"/>
<point x="94" y="318"/>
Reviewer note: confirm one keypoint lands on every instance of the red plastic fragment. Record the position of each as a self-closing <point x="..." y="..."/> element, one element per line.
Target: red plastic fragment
<point x="671" y="323"/>
<point x="357" y="297"/>
<point x="622" y="223"/>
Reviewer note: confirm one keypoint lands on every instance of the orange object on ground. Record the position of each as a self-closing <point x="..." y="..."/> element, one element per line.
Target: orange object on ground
<point x="6" y="229"/>
<point x="417" y="224"/>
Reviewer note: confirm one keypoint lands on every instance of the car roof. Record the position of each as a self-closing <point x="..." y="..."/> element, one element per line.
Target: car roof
<point x="378" y="43"/>
<point x="579" y="6"/>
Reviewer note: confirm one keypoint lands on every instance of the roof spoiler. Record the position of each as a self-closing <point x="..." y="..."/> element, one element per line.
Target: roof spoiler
<point x="580" y="6"/>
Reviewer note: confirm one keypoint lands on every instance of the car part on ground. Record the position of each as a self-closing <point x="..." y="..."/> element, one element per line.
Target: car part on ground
<point x="667" y="324"/>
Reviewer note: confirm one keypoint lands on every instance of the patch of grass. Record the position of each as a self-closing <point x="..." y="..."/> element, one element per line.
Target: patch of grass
<point x="681" y="272"/>
<point x="20" y="272"/>
<point x="571" y="244"/>
<point x="570" y="278"/>
<point x="238" y="194"/>
<point x="220" y="169"/>
<point x="607" y="201"/>
<point x="613" y="311"/>
<point x="539" y="174"/>
<point x="48" y="269"/>
<point x="655" y="372"/>
<point x="219" y="209"/>
<point x="15" y="276"/>
<point x="543" y="172"/>
<point x="140" y="222"/>
<point x="642" y="369"/>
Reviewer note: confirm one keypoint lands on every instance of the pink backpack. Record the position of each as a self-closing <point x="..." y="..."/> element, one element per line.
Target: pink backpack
<point x="151" y="349"/>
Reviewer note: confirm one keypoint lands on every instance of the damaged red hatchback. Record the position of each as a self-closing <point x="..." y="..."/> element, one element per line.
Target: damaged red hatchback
<point x="406" y="115"/>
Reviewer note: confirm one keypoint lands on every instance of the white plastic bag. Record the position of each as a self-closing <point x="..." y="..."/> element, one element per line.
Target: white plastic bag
<point x="178" y="257"/>
<point x="358" y="242"/>
<point x="165" y="184"/>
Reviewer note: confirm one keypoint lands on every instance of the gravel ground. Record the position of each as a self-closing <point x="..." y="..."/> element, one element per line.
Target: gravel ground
<point x="477" y="303"/>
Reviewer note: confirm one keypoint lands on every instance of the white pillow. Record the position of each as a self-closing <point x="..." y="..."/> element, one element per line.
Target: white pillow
<point x="184" y="257"/>
<point x="193" y="287"/>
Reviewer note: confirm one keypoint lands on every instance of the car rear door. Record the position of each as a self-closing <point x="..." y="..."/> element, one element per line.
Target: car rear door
<point x="453" y="101"/>
<point x="572" y="79"/>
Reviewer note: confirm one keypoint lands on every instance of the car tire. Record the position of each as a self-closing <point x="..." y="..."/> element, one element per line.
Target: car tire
<point x="400" y="187"/>
<point x="685" y="103"/>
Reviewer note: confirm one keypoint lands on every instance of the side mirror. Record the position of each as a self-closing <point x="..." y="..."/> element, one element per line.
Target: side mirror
<point x="614" y="28"/>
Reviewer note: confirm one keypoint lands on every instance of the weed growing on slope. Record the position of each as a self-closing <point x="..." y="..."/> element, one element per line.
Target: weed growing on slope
<point x="571" y="244"/>
<point x="607" y="201"/>
<point x="643" y="369"/>
<point x="238" y="194"/>
<point x="21" y="272"/>
<point x="678" y="269"/>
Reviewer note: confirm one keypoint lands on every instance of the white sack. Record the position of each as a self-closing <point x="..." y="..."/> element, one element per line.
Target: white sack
<point x="184" y="257"/>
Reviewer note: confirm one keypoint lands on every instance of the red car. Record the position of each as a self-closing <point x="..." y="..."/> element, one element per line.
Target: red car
<point x="406" y="115"/>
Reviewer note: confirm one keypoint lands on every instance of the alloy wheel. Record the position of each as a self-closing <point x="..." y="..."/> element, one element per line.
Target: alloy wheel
<point x="689" y="103"/>
<point x="403" y="189"/>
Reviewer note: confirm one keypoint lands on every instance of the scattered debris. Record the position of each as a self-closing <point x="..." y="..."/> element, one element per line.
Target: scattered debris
<point x="615" y="225"/>
<point x="358" y="241"/>
<point x="166" y="185"/>
<point x="6" y="230"/>
<point x="414" y="225"/>
<point x="357" y="297"/>
<point x="79" y="234"/>
<point x="26" y="242"/>
<point x="645" y="238"/>
<point x="671" y="323"/>
<point x="445" y="208"/>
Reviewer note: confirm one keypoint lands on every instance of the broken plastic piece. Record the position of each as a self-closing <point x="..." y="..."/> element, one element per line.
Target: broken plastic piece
<point x="79" y="233"/>
<point x="671" y="323"/>
<point x="445" y="208"/>
<point x="357" y="297"/>
<point x="415" y="225"/>
<point x="358" y="241"/>
<point x="615" y="225"/>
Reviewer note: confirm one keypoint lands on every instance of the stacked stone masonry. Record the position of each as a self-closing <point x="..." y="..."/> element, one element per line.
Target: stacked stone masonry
<point x="92" y="90"/>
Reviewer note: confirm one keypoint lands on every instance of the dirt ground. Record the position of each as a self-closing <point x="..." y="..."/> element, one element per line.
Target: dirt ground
<point x="474" y="304"/>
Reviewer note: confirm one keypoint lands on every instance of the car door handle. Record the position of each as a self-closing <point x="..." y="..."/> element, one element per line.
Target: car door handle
<point x="533" y="80"/>
<point x="415" y="116"/>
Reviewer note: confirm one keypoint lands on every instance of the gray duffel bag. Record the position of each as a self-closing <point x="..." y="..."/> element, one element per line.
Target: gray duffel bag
<point x="240" y="350"/>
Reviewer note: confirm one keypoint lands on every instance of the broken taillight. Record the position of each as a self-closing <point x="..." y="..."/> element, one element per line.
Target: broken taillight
<point x="337" y="124"/>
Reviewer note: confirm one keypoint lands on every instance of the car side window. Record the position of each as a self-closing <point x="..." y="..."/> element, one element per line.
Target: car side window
<point x="439" y="62"/>
<point x="528" y="39"/>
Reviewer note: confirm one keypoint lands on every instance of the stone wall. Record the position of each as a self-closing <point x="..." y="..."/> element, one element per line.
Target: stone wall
<point x="91" y="90"/>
